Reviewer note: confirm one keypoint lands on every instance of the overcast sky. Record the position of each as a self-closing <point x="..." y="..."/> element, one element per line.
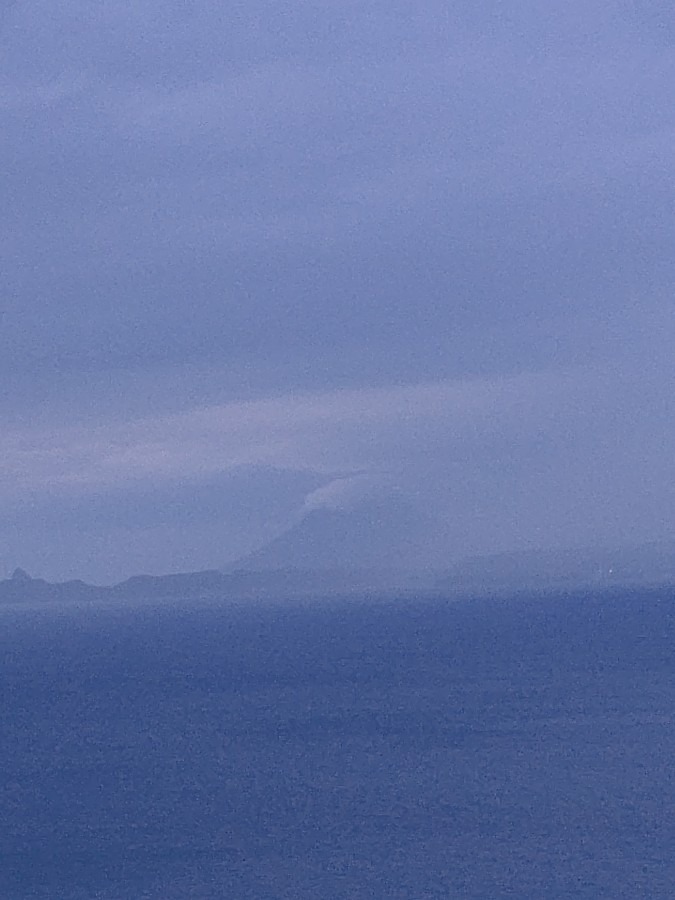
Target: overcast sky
<point x="251" y="248"/>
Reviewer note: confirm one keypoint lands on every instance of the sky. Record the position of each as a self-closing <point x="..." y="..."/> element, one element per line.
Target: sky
<point x="258" y="255"/>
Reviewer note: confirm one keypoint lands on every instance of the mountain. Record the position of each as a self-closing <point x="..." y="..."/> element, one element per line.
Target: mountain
<point x="212" y="584"/>
<point x="313" y="558"/>
<point x="377" y="536"/>
<point x="21" y="588"/>
<point x="650" y="563"/>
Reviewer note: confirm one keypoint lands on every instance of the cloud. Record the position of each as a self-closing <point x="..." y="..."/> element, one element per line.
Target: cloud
<point x="344" y="494"/>
<point x="37" y="95"/>
<point x="366" y="184"/>
<point x="327" y="432"/>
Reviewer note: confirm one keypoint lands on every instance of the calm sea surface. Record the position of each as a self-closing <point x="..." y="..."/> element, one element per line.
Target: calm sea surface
<point x="483" y="749"/>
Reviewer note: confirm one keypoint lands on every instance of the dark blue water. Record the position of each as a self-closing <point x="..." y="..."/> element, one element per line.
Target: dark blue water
<point x="346" y="750"/>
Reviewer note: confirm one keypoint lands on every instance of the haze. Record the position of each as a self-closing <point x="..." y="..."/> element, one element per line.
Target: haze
<point x="262" y="258"/>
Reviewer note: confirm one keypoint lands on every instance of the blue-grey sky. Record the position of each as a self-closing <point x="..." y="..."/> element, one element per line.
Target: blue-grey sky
<point x="252" y="248"/>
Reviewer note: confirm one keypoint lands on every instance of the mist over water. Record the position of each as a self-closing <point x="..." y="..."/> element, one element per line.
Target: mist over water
<point x="340" y="749"/>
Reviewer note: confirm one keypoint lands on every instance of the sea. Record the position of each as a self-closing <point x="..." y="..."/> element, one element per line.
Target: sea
<point x="363" y="747"/>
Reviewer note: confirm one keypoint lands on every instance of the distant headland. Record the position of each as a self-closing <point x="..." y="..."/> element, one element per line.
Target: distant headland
<point x="645" y="565"/>
<point x="209" y="584"/>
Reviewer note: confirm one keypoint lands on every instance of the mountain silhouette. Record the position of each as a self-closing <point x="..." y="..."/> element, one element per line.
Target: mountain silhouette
<point x="379" y="535"/>
<point x="649" y="563"/>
